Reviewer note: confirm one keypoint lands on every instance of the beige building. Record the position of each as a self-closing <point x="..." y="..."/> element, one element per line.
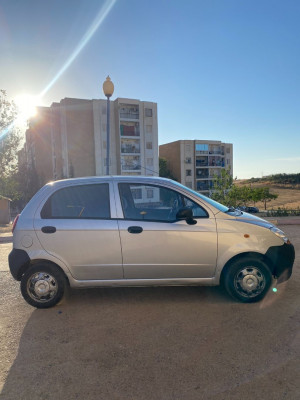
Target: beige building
<point x="194" y="163"/>
<point x="68" y="139"/>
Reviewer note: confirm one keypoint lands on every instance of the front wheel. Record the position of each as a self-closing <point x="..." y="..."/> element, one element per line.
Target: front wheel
<point x="43" y="285"/>
<point x="248" y="279"/>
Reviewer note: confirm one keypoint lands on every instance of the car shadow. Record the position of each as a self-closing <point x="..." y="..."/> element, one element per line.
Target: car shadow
<point x="96" y="342"/>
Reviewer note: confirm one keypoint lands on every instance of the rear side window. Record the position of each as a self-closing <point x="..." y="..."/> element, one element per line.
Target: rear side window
<point x="79" y="202"/>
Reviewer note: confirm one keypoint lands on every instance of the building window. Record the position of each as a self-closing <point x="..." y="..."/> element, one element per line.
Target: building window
<point x="148" y="112"/>
<point x="149" y="145"/>
<point x="227" y="162"/>
<point x="149" y="193"/>
<point x="136" y="194"/>
<point x="148" y="128"/>
<point x="188" y="172"/>
<point x="150" y="162"/>
<point x="188" y="148"/>
<point x="188" y="160"/>
<point x="228" y="150"/>
<point x="201" y="147"/>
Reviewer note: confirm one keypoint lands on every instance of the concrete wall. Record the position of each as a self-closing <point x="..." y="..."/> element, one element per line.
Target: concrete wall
<point x="171" y="151"/>
<point x="4" y="211"/>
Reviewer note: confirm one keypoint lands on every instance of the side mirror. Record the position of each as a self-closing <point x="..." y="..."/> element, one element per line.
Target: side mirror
<point x="187" y="214"/>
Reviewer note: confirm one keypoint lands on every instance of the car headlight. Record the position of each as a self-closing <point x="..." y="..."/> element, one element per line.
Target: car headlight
<point x="280" y="234"/>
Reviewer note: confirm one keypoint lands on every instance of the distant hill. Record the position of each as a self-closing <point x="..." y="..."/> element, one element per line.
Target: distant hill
<point x="286" y="186"/>
<point x="279" y="179"/>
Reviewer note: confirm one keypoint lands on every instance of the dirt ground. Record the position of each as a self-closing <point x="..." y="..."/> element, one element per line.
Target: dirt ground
<point x="151" y="343"/>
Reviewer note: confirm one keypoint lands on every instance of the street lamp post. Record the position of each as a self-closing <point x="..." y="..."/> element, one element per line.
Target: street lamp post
<point x="108" y="89"/>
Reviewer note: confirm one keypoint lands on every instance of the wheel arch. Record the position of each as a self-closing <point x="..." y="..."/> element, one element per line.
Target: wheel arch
<point x="42" y="261"/>
<point x="253" y="254"/>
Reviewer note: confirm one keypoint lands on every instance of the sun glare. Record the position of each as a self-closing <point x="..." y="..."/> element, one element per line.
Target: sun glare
<point x="26" y="105"/>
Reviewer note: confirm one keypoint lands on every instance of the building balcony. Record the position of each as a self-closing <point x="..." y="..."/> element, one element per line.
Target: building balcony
<point x="130" y="163"/>
<point x="129" y="115"/>
<point x="202" y="174"/>
<point x="131" y="167"/>
<point x="200" y="163"/>
<point x="130" y="149"/>
<point x="217" y="164"/>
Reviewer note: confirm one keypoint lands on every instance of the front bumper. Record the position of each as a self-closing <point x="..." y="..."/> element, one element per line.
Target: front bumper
<point x="282" y="259"/>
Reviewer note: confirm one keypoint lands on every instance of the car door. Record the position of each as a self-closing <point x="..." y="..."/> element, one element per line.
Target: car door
<point x="76" y="226"/>
<point x="155" y="245"/>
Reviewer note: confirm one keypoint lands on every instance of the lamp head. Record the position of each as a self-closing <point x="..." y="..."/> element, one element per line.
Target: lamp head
<point x="108" y="87"/>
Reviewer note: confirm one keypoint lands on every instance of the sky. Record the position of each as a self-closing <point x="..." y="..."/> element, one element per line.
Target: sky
<point x="224" y="70"/>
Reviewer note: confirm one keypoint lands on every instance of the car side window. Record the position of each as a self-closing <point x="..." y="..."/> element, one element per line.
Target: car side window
<point x="78" y="202"/>
<point x="155" y="203"/>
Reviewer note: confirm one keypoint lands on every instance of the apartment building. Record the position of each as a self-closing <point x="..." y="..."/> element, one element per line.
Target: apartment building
<point x="194" y="163"/>
<point x="68" y="139"/>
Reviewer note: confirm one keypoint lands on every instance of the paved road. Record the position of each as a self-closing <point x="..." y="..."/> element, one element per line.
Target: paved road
<point x="150" y="343"/>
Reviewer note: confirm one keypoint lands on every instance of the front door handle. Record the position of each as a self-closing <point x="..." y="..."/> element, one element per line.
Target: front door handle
<point x="48" y="229"/>
<point x="135" y="229"/>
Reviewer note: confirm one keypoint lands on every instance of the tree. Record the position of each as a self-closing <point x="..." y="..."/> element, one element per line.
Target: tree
<point x="227" y="193"/>
<point x="266" y="196"/>
<point x="222" y="185"/>
<point x="164" y="171"/>
<point x="28" y="183"/>
<point x="9" y="136"/>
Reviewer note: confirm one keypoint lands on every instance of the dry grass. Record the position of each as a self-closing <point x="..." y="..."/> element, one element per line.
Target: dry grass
<point x="287" y="197"/>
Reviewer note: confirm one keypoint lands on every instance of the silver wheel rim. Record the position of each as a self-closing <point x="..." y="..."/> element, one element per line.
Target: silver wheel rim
<point x="249" y="282"/>
<point x="42" y="287"/>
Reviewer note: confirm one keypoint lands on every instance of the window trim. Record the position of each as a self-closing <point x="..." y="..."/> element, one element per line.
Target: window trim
<point x="77" y="218"/>
<point x="156" y="220"/>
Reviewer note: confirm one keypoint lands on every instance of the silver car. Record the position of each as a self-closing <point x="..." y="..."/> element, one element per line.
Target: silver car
<point x="141" y="231"/>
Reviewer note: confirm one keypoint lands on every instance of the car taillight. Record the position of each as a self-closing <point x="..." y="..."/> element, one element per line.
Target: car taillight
<point x="15" y="222"/>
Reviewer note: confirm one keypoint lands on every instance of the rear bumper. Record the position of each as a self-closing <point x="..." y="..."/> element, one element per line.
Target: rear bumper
<point x="282" y="258"/>
<point x="18" y="260"/>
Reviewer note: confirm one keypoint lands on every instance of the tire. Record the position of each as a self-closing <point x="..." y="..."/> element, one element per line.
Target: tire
<point x="43" y="285"/>
<point x="248" y="279"/>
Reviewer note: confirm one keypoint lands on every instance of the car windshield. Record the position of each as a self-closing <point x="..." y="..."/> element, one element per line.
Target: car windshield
<point x="212" y="202"/>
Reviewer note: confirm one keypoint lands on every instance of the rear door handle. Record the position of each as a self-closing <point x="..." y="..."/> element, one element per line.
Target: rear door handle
<point x="135" y="229"/>
<point x="48" y="229"/>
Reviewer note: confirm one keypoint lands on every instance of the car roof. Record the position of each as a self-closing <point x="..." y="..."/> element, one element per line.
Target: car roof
<point x="105" y="178"/>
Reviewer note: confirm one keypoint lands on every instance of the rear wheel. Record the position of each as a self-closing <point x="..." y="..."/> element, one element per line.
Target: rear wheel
<point x="43" y="285"/>
<point x="248" y="279"/>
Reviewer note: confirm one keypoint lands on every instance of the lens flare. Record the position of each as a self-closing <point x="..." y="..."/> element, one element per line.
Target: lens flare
<point x="104" y="11"/>
<point x="26" y="105"/>
<point x="274" y="289"/>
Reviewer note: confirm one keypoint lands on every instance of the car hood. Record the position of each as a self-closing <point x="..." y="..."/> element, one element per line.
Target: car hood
<point x="252" y="219"/>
